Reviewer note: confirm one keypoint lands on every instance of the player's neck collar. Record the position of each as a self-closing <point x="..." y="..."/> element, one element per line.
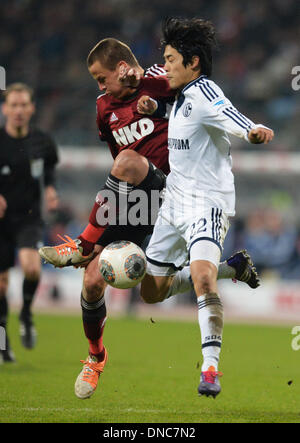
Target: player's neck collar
<point x="192" y="83"/>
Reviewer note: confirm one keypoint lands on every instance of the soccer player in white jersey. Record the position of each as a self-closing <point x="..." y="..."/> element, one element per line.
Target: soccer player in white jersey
<point x="200" y="194"/>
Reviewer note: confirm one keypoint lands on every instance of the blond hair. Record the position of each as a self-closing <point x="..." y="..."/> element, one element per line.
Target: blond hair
<point x="18" y="87"/>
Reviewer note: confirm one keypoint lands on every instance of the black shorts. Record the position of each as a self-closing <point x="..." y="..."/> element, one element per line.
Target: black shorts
<point x="135" y="234"/>
<point x="13" y="236"/>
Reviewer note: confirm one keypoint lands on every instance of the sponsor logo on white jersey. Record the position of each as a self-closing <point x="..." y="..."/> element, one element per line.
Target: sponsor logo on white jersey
<point x="178" y="144"/>
<point x="137" y="130"/>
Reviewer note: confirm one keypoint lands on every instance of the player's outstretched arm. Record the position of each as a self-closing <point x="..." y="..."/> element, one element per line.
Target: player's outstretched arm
<point x="260" y="135"/>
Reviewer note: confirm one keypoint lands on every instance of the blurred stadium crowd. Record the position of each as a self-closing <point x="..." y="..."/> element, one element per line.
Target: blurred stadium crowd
<point x="45" y="44"/>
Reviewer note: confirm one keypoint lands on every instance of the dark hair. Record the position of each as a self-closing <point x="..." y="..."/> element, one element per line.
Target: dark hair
<point x="191" y="37"/>
<point x="110" y="52"/>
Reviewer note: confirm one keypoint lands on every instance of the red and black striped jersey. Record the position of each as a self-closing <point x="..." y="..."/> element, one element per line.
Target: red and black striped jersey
<point x="155" y="70"/>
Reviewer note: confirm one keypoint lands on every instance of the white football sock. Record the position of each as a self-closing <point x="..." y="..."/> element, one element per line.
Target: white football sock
<point x="225" y="271"/>
<point x="210" y="317"/>
<point x="181" y="282"/>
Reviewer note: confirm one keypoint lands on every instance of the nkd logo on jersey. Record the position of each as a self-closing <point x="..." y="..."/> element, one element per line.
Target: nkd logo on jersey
<point x="137" y="130"/>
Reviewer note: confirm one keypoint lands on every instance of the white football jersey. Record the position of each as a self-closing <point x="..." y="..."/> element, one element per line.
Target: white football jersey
<point x="199" y="147"/>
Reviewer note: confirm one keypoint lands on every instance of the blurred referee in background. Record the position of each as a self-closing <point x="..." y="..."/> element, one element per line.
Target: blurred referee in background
<point x="27" y="165"/>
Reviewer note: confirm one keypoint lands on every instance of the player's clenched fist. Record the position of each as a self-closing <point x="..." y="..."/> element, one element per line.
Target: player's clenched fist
<point x="129" y="77"/>
<point x="260" y="135"/>
<point x="147" y="105"/>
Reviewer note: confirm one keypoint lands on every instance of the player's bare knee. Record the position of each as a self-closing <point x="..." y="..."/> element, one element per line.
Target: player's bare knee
<point x="203" y="282"/>
<point x="152" y="291"/>
<point x="128" y="166"/>
<point x="94" y="286"/>
<point x="94" y="290"/>
<point x="204" y="276"/>
<point x="152" y="297"/>
<point x="147" y="291"/>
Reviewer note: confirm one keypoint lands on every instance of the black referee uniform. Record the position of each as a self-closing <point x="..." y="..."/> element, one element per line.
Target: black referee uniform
<point x="26" y="166"/>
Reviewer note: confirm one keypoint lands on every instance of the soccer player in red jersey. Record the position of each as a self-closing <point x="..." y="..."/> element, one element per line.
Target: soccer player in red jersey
<point x="138" y="144"/>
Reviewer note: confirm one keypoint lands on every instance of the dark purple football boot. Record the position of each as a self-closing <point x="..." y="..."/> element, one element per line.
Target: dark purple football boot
<point x="209" y="383"/>
<point x="244" y="268"/>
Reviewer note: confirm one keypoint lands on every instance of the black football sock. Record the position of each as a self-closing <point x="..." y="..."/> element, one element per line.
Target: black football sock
<point x="94" y="318"/>
<point x="3" y="310"/>
<point x="3" y="317"/>
<point x="113" y="205"/>
<point x="29" y="290"/>
<point x="118" y="205"/>
<point x="154" y="180"/>
<point x="121" y="190"/>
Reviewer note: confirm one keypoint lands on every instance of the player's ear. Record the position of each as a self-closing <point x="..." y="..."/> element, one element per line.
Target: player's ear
<point x="195" y="63"/>
<point x="33" y="108"/>
<point x="122" y="66"/>
<point x="3" y="108"/>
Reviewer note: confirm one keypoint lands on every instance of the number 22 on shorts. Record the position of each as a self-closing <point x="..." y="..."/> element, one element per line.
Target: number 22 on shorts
<point x="199" y="226"/>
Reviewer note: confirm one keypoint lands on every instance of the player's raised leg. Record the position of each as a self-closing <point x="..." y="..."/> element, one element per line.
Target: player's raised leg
<point x="237" y="267"/>
<point x="130" y="171"/>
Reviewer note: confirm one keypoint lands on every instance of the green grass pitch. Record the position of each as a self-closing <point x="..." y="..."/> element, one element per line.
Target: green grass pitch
<point x="152" y="374"/>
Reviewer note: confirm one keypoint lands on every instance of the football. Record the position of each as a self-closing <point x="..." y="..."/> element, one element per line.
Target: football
<point x="122" y="264"/>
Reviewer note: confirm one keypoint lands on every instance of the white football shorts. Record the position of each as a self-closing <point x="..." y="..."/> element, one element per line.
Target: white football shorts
<point x="176" y="241"/>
